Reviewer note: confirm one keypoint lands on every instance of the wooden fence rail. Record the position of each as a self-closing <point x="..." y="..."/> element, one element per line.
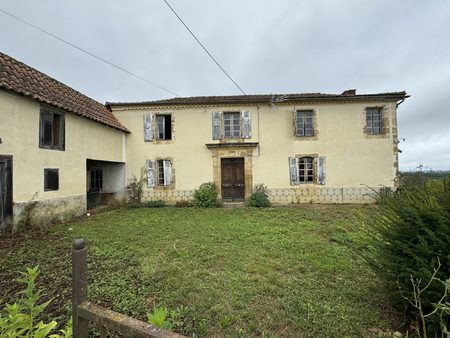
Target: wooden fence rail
<point x="106" y="320"/>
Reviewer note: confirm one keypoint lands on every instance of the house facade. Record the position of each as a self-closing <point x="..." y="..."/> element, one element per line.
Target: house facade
<point x="66" y="153"/>
<point x="54" y="141"/>
<point x="306" y="148"/>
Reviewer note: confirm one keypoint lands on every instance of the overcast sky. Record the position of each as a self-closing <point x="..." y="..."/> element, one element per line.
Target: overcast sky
<point x="283" y="46"/>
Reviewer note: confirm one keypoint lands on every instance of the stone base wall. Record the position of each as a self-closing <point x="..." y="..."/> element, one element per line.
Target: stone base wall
<point x="57" y="209"/>
<point x="285" y="196"/>
<point x="298" y="195"/>
<point x="168" y="196"/>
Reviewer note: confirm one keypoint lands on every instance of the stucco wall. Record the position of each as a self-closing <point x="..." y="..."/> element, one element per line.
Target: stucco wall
<point x="353" y="158"/>
<point x="19" y="130"/>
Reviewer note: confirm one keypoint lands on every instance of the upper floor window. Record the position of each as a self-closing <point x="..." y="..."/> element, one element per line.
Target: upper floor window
<point x="231" y="125"/>
<point x="157" y="127"/>
<point x="163" y="127"/>
<point x="304" y="123"/>
<point x="51" y="129"/>
<point x="373" y="121"/>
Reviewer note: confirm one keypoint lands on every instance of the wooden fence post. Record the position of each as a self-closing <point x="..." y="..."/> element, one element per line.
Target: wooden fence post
<point x="79" y="286"/>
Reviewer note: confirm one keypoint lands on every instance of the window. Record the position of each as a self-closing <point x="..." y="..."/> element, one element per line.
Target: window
<point x="231" y="125"/>
<point x="163" y="127"/>
<point x="373" y="121"/>
<point x="51" y="179"/>
<point x="157" y="127"/>
<point x="304" y="125"/>
<point x="307" y="169"/>
<point x="96" y="182"/>
<point x="159" y="173"/>
<point x="51" y="131"/>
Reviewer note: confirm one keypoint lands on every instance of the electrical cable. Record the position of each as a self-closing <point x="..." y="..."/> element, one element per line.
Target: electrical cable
<point x="204" y="48"/>
<point x="89" y="53"/>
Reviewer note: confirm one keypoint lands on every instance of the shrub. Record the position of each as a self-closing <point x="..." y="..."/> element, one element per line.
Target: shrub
<point x="155" y="204"/>
<point x="260" y="197"/>
<point x="19" y="319"/>
<point x="183" y="204"/>
<point x="135" y="187"/>
<point x="407" y="235"/>
<point x="206" y="196"/>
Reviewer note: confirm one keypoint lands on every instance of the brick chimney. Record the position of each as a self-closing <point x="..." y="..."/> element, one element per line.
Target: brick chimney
<point x="349" y="92"/>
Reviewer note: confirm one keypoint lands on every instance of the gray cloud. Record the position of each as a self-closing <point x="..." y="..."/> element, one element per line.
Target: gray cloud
<point x="267" y="46"/>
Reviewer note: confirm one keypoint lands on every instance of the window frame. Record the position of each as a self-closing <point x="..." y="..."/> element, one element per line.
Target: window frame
<point x="303" y="127"/>
<point x="369" y="118"/>
<point x="305" y="161"/>
<point x="46" y="178"/>
<point x="57" y="133"/>
<point x="165" y="117"/>
<point x="235" y="116"/>
<point x="159" y="174"/>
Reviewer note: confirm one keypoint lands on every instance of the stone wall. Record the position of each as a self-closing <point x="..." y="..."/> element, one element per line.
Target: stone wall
<point x="51" y="210"/>
<point x="285" y="196"/>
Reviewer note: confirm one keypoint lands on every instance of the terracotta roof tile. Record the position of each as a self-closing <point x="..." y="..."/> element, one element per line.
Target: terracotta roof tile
<point x="24" y="80"/>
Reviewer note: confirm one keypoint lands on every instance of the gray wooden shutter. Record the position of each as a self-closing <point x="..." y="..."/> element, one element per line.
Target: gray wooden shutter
<point x="246" y="124"/>
<point x="217" y="125"/>
<point x="321" y="175"/>
<point x="293" y="170"/>
<point x="148" y="128"/>
<point x="150" y="174"/>
<point x="167" y="165"/>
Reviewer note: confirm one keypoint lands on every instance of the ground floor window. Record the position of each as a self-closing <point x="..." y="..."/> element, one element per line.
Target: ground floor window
<point x="307" y="169"/>
<point x="51" y="179"/>
<point x="159" y="173"/>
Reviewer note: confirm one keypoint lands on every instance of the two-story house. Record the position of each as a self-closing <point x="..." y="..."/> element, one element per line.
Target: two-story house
<point x="67" y="152"/>
<point x="319" y="148"/>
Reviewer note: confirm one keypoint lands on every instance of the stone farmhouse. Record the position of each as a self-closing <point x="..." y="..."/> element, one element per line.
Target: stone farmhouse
<point x="68" y="153"/>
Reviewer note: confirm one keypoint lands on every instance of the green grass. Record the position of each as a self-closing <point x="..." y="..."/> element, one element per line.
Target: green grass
<point x="229" y="272"/>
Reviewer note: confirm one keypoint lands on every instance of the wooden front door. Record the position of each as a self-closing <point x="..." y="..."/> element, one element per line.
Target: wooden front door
<point x="233" y="179"/>
<point x="6" y="200"/>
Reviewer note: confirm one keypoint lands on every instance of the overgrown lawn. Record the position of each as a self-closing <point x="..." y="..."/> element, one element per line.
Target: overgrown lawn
<point x="228" y="272"/>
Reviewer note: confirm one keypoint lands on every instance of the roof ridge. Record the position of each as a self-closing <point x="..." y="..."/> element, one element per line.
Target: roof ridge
<point x="261" y="98"/>
<point x="25" y="80"/>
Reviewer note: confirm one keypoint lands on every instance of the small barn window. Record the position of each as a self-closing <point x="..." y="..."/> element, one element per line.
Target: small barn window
<point x="52" y="130"/>
<point x="51" y="179"/>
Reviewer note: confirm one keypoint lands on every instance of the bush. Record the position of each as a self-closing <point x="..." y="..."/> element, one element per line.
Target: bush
<point x="408" y="234"/>
<point x="206" y="196"/>
<point x="183" y="204"/>
<point x="155" y="204"/>
<point x="260" y="197"/>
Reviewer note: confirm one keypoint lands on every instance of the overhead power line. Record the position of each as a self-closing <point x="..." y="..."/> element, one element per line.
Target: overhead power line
<point x="204" y="48"/>
<point x="88" y="53"/>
